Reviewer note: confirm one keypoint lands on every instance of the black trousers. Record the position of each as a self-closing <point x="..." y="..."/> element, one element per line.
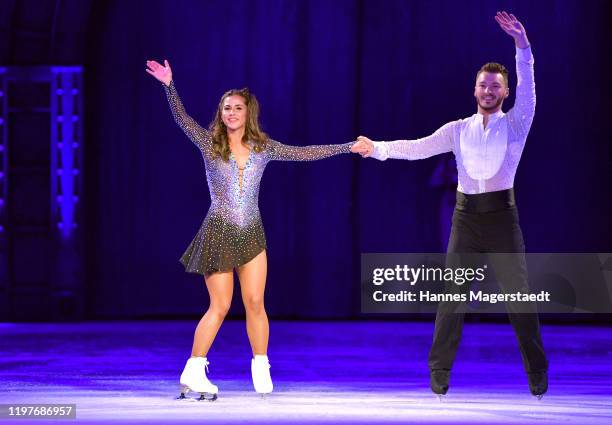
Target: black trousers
<point x="488" y="223"/>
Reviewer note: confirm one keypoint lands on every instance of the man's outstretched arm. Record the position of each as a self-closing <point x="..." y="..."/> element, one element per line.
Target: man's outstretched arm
<point x="439" y="142"/>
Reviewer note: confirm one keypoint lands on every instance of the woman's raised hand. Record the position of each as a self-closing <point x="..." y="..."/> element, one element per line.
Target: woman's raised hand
<point x="163" y="72"/>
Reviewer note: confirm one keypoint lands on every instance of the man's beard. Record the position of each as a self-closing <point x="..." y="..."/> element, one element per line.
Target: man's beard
<point x="497" y="103"/>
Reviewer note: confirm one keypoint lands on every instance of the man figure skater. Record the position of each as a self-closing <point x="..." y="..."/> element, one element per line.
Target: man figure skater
<point x="487" y="148"/>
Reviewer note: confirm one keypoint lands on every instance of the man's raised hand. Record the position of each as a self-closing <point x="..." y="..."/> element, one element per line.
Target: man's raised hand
<point x="513" y="28"/>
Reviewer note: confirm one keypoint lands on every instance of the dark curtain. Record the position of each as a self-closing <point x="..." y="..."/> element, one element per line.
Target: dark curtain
<point x="325" y="72"/>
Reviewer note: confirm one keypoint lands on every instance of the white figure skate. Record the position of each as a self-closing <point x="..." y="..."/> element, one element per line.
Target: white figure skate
<point x="260" y="371"/>
<point x="194" y="379"/>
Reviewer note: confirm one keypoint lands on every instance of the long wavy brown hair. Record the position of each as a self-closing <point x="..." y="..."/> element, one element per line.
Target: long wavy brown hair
<point x="252" y="130"/>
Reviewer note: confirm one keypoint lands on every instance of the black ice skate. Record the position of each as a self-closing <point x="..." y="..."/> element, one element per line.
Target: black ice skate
<point x="538" y="383"/>
<point x="439" y="381"/>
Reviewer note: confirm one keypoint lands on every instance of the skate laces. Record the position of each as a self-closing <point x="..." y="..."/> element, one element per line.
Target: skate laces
<point x="263" y="363"/>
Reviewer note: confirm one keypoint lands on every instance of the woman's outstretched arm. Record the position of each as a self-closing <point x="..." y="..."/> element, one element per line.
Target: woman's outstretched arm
<point x="281" y="152"/>
<point x="198" y="134"/>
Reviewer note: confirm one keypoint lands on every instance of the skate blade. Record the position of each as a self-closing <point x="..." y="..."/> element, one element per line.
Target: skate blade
<point x="539" y="397"/>
<point x="203" y="396"/>
<point x="182" y="397"/>
<point x="207" y="397"/>
<point x="441" y="397"/>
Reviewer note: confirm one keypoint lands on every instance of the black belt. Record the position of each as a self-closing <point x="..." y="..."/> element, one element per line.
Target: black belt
<point x="485" y="202"/>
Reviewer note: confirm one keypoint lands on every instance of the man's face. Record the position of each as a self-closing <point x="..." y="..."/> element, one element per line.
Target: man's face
<point x="490" y="91"/>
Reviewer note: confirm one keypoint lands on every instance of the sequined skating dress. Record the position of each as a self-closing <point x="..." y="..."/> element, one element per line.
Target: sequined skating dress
<point x="232" y="232"/>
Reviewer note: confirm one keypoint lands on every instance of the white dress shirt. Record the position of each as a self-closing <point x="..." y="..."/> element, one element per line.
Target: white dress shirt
<point x="487" y="158"/>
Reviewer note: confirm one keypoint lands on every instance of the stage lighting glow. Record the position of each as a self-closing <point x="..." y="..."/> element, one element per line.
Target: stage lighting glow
<point x="66" y="156"/>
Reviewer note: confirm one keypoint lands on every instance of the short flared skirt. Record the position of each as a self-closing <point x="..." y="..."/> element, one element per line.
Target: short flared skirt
<point x="221" y="246"/>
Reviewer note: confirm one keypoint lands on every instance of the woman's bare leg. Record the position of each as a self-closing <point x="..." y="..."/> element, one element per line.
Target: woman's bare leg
<point x="220" y="289"/>
<point x="252" y="277"/>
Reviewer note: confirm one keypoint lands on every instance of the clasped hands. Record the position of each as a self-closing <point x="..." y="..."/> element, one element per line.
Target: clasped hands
<point x="363" y="146"/>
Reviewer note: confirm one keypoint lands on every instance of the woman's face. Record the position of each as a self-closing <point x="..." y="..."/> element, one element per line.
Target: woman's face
<point x="234" y="112"/>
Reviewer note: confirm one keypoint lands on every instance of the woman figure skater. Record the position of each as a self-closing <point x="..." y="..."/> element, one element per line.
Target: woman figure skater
<point x="236" y="152"/>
